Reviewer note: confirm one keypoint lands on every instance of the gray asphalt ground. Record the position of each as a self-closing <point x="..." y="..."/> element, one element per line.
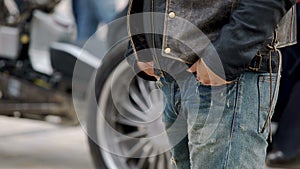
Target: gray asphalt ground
<point x="28" y="144"/>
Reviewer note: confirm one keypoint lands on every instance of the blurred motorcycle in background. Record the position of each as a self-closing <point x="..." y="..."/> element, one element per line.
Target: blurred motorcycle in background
<point x="44" y="75"/>
<point x="36" y="72"/>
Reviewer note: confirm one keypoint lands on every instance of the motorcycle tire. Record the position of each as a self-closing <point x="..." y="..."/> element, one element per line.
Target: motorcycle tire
<point x="119" y="93"/>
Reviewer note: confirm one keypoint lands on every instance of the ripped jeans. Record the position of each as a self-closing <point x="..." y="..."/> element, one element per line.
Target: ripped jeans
<point x="217" y="127"/>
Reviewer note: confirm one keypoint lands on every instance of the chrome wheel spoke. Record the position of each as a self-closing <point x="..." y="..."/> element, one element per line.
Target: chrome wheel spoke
<point x="130" y="136"/>
<point x="133" y="111"/>
<point x="137" y="149"/>
<point x="160" y="162"/>
<point x="144" y="161"/>
<point x="125" y="121"/>
<point x="153" y="162"/>
<point x="138" y="99"/>
<point x="143" y="89"/>
<point x="167" y="160"/>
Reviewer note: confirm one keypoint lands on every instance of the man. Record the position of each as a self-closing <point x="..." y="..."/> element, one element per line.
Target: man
<point x="89" y="13"/>
<point x="212" y="59"/>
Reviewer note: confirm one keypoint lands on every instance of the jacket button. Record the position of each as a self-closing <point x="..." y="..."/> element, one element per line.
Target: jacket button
<point x="168" y="50"/>
<point x="172" y="15"/>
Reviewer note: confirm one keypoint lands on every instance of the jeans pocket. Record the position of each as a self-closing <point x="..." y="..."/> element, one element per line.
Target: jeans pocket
<point x="224" y="88"/>
<point x="265" y="84"/>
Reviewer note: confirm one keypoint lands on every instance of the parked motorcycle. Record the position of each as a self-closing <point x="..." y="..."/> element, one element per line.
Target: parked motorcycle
<point x="36" y="62"/>
<point x="45" y="76"/>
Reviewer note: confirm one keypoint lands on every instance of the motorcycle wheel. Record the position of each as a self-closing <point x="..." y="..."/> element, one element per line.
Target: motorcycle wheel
<point x="128" y="107"/>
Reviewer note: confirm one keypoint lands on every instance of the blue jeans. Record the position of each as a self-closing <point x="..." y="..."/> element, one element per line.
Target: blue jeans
<point x="89" y="13"/>
<point x="217" y="127"/>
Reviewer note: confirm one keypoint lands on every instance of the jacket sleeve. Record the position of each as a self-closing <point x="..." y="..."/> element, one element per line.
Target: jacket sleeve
<point x="251" y="24"/>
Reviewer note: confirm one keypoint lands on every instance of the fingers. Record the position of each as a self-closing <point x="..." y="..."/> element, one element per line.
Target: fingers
<point x="207" y="77"/>
<point x="193" y="68"/>
<point x="204" y="74"/>
<point x="148" y="68"/>
<point x="145" y="65"/>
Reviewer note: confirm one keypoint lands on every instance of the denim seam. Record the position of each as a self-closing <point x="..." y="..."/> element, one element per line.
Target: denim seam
<point x="174" y="98"/>
<point x="259" y="105"/>
<point x="236" y="107"/>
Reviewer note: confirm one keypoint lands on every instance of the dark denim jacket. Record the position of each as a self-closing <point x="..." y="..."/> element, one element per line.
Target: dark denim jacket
<point x="229" y="32"/>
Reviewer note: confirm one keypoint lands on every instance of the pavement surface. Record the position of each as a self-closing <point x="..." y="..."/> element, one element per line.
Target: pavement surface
<point x="29" y="144"/>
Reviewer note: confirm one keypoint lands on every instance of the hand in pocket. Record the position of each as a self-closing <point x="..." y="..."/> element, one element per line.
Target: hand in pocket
<point x="205" y="75"/>
<point x="148" y="68"/>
